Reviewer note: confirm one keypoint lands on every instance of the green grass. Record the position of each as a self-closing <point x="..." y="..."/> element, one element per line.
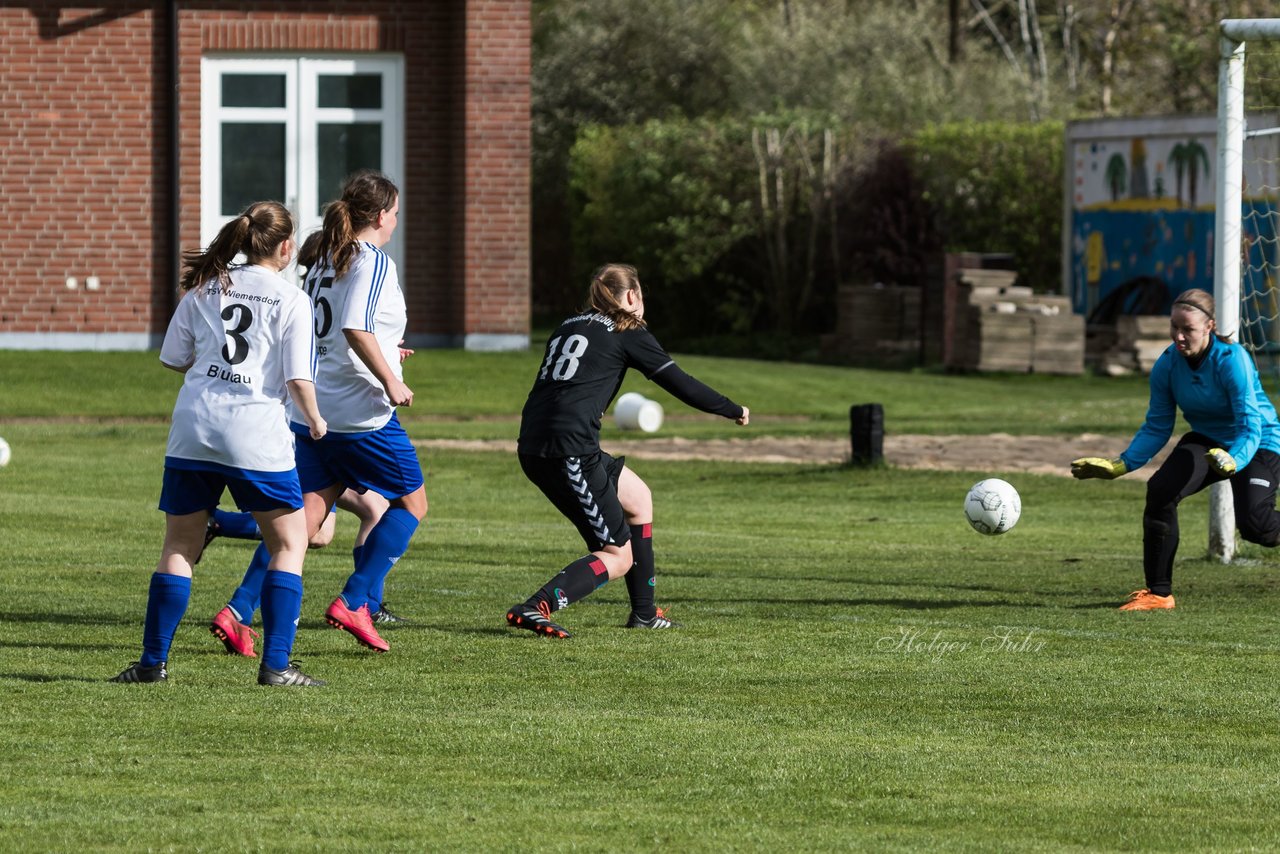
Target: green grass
<point x="857" y="670"/>
<point x="479" y="395"/>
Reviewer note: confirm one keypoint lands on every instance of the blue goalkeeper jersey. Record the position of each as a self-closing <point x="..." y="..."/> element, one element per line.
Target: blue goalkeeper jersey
<point x="1221" y="398"/>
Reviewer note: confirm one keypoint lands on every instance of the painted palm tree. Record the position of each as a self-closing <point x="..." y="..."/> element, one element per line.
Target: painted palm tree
<point x="1117" y="176"/>
<point x="1196" y="155"/>
<point x="1178" y="159"/>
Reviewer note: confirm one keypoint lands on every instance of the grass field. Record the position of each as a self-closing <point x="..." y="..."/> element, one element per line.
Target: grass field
<point x="857" y="670"/>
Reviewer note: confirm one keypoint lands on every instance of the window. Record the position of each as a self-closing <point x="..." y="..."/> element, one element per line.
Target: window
<point x="291" y="129"/>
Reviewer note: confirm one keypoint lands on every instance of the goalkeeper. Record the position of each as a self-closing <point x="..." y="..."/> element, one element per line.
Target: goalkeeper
<point x="1234" y="436"/>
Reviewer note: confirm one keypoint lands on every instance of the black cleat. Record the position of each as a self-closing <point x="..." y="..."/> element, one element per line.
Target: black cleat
<point x="658" y="621"/>
<point x="535" y="620"/>
<point x="290" y="676"/>
<point x="212" y="531"/>
<point x="135" y="672"/>
<point x="385" y="616"/>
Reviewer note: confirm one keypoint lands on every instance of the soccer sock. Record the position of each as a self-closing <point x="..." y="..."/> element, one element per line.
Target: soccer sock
<point x="388" y="540"/>
<point x="576" y="581"/>
<point x="166" y="603"/>
<point x="240" y="526"/>
<point x="245" y="600"/>
<point x="281" y="607"/>
<point x="1159" y="545"/>
<point x="643" y="574"/>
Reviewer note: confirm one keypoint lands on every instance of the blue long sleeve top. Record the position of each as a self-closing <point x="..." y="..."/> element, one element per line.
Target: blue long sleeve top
<point x="1221" y="398"/>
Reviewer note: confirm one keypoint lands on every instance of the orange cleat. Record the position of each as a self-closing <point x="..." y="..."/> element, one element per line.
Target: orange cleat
<point x="237" y="637"/>
<point x="357" y="622"/>
<point x="1145" y="600"/>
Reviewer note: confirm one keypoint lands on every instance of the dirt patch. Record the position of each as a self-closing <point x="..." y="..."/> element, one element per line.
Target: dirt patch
<point x="995" y="452"/>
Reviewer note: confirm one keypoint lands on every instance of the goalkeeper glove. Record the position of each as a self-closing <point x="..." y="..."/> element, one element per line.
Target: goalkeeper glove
<point x="1087" y="467"/>
<point x="1221" y="462"/>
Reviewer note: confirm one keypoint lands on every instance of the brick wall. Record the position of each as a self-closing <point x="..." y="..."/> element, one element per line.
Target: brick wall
<point x="83" y="169"/>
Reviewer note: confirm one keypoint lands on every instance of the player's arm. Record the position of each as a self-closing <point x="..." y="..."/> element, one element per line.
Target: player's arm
<point x="693" y="392"/>
<point x="1239" y="381"/>
<point x="643" y="352"/>
<point x="365" y="345"/>
<point x="303" y="393"/>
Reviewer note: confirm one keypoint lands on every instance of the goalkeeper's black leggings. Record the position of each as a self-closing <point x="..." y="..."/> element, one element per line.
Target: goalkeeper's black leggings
<point x="1186" y="472"/>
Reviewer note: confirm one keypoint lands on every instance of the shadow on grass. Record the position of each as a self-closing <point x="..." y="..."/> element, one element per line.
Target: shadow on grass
<point x="45" y="677"/>
<point x="909" y="604"/>
<point x="72" y="619"/>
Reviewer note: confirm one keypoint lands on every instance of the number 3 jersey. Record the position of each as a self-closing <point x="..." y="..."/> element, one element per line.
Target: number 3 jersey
<point x="582" y="370"/>
<point x="366" y="298"/>
<point x="244" y="339"/>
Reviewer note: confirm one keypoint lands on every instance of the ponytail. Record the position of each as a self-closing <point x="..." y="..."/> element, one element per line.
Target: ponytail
<point x="365" y="195"/>
<point x="257" y="233"/>
<point x="609" y="286"/>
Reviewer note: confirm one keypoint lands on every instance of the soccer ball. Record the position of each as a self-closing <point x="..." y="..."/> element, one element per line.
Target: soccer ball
<point x="4" y="453"/>
<point x="992" y="506"/>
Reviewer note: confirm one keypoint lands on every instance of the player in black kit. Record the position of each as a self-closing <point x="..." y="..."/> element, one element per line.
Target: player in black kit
<point x="559" y="448"/>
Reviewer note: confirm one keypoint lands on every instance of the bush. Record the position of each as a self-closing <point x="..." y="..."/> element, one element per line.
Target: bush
<point x="997" y="187"/>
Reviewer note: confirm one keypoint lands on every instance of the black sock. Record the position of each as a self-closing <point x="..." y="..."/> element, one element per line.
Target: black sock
<point x="1159" y="545"/>
<point x="574" y="582"/>
<point x="643" y="574"/>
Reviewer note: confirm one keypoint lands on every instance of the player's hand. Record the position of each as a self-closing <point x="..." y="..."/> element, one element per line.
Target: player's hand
<point x="405" y="352"/>
<point x="318" y="429"/>
<point x="745" y="419"/>
<point x="1221" y="462"/>
<point x="399" y="393"/>
<point x="1087" y="467"/>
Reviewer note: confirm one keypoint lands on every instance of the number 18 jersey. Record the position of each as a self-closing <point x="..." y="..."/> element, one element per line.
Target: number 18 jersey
<point x="581" y="371"/>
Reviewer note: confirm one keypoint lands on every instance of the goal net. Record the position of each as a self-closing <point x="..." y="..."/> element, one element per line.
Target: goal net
<point x="1247" y="215"/>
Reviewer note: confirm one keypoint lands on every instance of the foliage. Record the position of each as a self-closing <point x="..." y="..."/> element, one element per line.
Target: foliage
<point x="997" y="188"/>
<point x="680" y="198"/>
<point x="887" y="228"/>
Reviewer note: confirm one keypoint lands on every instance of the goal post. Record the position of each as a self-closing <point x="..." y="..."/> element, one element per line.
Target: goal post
<point x="1234" y="250"/>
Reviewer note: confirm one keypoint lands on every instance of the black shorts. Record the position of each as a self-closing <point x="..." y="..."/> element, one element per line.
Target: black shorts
<point x="585" y="490"/>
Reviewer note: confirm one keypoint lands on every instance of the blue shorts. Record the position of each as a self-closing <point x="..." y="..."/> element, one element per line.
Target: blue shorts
<point x="382" y="460"/>
<point x="189" y="490"/>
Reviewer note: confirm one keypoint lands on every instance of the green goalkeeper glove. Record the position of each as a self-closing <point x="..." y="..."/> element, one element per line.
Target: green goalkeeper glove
<point x="1087" y="467"/>
<point x="1221" y="462"/>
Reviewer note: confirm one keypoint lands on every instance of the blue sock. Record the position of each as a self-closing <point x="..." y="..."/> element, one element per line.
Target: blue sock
<point x="281" y="607"/>
<point x="240" y="526"/>
<point x="166" y="603"/>
<point x="245" y="600"/>
<point x="388" y="540"/>
<point x="375" y="595"/>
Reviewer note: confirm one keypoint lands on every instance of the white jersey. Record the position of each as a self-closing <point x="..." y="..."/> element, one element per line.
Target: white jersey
<point x="367" y="298"/>
<point x="243" y="341"/>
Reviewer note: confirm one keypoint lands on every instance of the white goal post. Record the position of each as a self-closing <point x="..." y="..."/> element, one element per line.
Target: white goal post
<point x="1233" y="131"/>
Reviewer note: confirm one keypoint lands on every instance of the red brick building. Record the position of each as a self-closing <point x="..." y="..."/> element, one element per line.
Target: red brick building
<point x="131" y="131"/>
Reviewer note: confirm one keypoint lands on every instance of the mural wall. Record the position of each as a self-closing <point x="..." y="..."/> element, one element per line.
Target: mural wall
<point x="1141" y="208"/>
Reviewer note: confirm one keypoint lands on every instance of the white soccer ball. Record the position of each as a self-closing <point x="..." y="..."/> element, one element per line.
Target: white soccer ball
<point x="4" y="453"/>
<point x="992" y="506"/>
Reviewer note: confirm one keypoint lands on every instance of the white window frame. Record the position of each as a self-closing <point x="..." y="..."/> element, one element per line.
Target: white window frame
<point x="301" y="117"/>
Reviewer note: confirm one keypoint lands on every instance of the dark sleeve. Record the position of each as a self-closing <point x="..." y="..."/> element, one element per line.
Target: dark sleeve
<point x="697" y="394"/>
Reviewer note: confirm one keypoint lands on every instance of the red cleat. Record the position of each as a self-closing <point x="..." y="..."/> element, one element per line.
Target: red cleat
<point x="236" y="635"/>
<point x="358" y="622"/>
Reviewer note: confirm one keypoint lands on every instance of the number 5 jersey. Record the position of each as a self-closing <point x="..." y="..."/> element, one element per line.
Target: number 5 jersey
<point x="366" y="298"/>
